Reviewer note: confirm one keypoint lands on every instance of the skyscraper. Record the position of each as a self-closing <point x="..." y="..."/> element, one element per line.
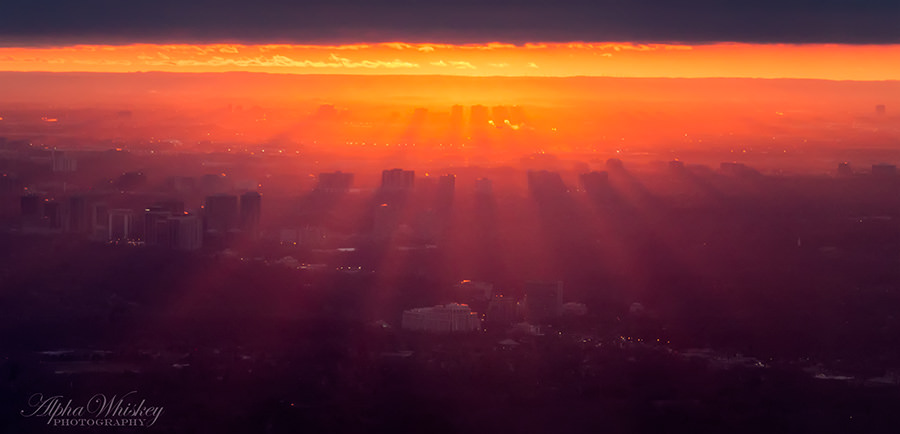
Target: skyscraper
<point x="221" y="213"/>
<point x="185" y="232"/>
<point x="121" y="225"/>
<point x="78" y="217"/>
<point x="156" y="232"/>
<point x="251" y="210"/>
<point x="334" y="182"/>
<point x="543" y="301"/>
<point x="396" y="180"/>
<point x="484" y="187"/>
<point x="594" y="182"/>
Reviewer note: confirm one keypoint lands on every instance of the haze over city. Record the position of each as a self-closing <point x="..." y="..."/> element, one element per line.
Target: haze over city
<point x="450" y="217"/>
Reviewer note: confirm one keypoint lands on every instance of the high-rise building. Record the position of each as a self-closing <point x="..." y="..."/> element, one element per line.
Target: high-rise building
<point x="60" y="162"/>
<point x="503" y="310"/>
<point x="31" y="206"/>
<point x="52" y="215"/>
<point x="385" y="220"/>
<point x="215" y="183"/>
<point x="185" y="232"/>
<point x="397" y="180"/>
<point x="543" y="301"/>
<point x="445" y="189"/>
<point x="100" y="221"/>
<point x="78" y="217"/>
<point x="251" y="211"/>
<point x="545" y="183"/>
<point x="594" y="182"/>
<point x="221" y="213"/>
<point x="334" y="182"/>
<point x="484" y="187"/>
<point x="156" y="231"/>
<point x="121" y="225"/>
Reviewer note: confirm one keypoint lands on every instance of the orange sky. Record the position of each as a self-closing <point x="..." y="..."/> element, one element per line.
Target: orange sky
<point x="833" y="62"/>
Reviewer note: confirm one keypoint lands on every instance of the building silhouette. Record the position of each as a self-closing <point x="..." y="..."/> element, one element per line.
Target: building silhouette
<point x="221" y="213"/>
<point x="543" y="301"/>
<point x="398" y="180"/>
<point x="545" y="183"/>
<point x="78" y="216"/>
<point x="447" y="318"/>
<point x="251" y="212"/>
<point x="185" y="232"/>
<point x="594" y="182"/>
<point x="334" y="182"/>
<point x="484" y="187"/>
<point x="121" y="225"/>
<point x="156" y="230"/>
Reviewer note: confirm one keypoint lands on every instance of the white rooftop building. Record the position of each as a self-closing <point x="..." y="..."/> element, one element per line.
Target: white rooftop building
<point x="451" y="317"/>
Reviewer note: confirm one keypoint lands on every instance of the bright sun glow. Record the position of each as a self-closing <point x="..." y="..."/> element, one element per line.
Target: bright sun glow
<point x="833" y="62"/>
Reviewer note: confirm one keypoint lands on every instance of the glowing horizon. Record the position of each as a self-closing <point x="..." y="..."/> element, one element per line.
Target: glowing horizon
<point x="725" y="60"/>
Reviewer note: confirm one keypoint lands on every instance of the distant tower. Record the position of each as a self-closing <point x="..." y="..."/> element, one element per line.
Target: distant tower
<point x="614" y="164"/>
<point x="880" y="110"/>
<point x="221" y="213"/>
<point x="156" y="231"/>
<point x="121" y="224"/>
<point x="543" y="301"/>
<point x="52" y="215"/>
<point x="78" y="217"/>
<point x="397" y="180"/>
<point x="334" y="182"/>
<point x="31" y="208"/>
<point x="446" y="186"/>
<point x="385" y="221"/>
<point x="185" y="232"/>
<point x="594" y="182"/>
<point x="61" y="162"/>
<point x="545" y="183"/>
<point x="484" y="187"/>
<point x="251" y="210"/>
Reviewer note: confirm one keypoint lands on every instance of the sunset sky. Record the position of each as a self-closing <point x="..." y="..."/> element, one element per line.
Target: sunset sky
<point x="820" y="61"/>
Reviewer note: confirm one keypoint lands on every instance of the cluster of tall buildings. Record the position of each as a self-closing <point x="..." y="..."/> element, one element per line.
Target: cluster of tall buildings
<point x="226" y="214"/>
<point x="163" y="224"/>
<point x="398" y="180"/>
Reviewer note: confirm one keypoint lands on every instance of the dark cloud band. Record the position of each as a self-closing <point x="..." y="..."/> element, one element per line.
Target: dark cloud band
<point x="693" y="21"/>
